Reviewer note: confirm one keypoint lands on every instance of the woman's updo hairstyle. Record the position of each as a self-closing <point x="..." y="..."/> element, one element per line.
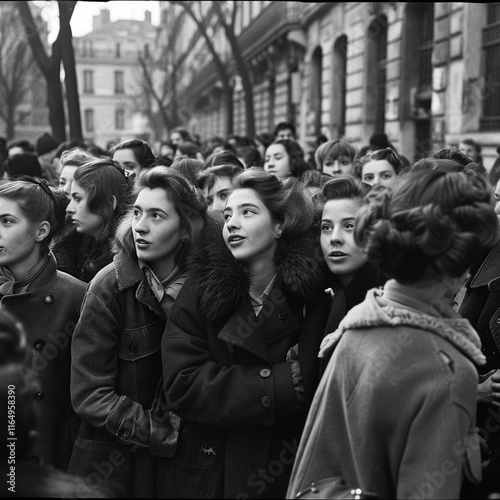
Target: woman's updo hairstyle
<point x="38" y="202"/>
<point x="340" y="188"/>
<point x="282" y="197"/>
<point x="435" y="223"/>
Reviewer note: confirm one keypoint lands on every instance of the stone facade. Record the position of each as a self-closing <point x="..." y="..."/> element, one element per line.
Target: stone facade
<point x="416" y="71"/>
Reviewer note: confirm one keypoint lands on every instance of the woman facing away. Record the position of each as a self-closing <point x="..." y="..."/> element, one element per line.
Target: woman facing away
<point x="233" y="350"/>
<point x="395" y="409"/>
<point x="116" y="366"/>
<point x="99" y="197"/>
<point x="46" y="302"/>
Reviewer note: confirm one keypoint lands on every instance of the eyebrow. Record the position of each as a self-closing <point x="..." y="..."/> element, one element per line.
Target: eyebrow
<point x="149" y="210"/>
<point x="8" y="215"/>
<point x="244" y="205"/>
<point x="342" y="220"/>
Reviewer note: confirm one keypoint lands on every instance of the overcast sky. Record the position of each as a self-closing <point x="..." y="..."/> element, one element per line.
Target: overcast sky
<point x="81" y="21"/>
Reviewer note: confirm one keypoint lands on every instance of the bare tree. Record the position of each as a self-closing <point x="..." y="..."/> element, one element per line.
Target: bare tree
<point x="50" y="66"/>
<point x="194" y="10"/>
<point x="16" y="70"/>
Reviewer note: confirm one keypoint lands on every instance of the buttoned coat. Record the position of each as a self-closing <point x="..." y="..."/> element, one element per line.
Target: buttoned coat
<point x="49" y="311"/>
<point x="226" y="373"/>
<point x="115" y="373"/>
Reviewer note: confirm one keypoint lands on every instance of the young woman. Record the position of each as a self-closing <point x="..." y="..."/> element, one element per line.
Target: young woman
<point x="116" y="366"/>
<point x="347" y="274"/>
<point x="46" y="302"/>
<point x="395" y="411"/>
<point x="99" y="197"/>
<point x="285" y="158"/>
<point x="336" y="158"/>
<point x="217" y="184"/>
<point x="230" y="362"/>
<point x="133" y="155"/>
<point x="71" y="159"/>
<point x="381" y="167"/>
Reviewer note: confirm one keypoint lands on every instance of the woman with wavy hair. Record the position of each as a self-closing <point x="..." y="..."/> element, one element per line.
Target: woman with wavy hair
<point x="395" y="411"/>
<point x="116" y="362"/>
<point x="99" y="196"/>
<point x="235" y="348"/>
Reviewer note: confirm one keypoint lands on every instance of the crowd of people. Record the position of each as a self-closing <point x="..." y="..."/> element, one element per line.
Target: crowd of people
<point x="243" y="318"/>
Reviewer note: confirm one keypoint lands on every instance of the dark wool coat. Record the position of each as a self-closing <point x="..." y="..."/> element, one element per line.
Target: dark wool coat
<point x="481" y="306"/>
<point x="115" y="373"/>
<point x="49" y="311"/>
<point x="226" y="374"/>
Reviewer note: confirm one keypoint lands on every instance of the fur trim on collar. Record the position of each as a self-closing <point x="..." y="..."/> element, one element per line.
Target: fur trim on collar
<point x="369" y="314"/>
<point x="224" y="283"/>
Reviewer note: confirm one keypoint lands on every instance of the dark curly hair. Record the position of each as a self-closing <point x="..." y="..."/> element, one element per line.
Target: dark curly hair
<point x="434" y="223"/>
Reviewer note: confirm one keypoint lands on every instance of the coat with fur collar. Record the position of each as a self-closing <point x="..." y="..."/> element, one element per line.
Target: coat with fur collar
<point x="226" y="373"/>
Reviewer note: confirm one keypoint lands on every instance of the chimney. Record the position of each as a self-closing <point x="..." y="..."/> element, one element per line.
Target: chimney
<point x="147" y="16"/>
<point x="101" y="19"/>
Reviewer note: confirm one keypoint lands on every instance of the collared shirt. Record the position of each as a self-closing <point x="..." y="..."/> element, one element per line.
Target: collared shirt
<point x="166" y="290"/>
<point x="258" y="302"/>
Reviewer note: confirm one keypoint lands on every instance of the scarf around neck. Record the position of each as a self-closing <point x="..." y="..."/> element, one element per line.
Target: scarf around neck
<point x="9" y="285"/>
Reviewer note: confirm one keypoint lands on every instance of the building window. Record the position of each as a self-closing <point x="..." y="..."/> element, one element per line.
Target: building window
<point x="120" y="119"/>
<point x="376" y="70"/>
<point x="338" y="108"/>
<point x="491" y="49"/>
<point x="119" y="87"/>
<point x="118" y="53"/>
<point x="89" y="120"/>
<point x="88" y="81"/>
<point x="316" y="89"/>
<point x="146" y="50"/>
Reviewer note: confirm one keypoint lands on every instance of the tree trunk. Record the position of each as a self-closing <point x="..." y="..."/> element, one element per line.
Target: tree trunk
<point x="57" y="117"/>
<point x="71" y="82"/>
<point x="50" y="68"/>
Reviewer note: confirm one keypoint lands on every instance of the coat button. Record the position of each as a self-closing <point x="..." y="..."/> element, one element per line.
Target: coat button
<point x="48" y="299"/>
<point x="132" y="348"/>
<point x="265" y="372"/>
<point x="265" y="401"/>
<point x="39" y="344"/>
<point x="282" y="315"/>
<point x="35" y="460"/>
<point x="38" y="395"/>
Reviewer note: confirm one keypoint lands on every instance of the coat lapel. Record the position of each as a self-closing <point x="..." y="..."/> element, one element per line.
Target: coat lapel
<point x="255" y="333"/>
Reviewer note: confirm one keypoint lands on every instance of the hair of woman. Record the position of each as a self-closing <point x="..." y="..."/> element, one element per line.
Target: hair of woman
<point x="75" y="157"/>
<point x="103" y="178"/>
<point x="386" y="154"/>
<point x="188" y="201"/>
<point x="38" y="202"/>
<point x="224" y="157"/>
<point x="340" y="188"/>
<point x="334" y="149"/>
<point x="434" y="223"/>
<point x="282" y="197"/>
<point x="189" y="168"/>
<point x="210" y="175"/>
<point x="142" y="152"/>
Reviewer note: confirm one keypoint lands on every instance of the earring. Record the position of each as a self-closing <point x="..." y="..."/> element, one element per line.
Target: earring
<point x="184" y="239"/>
<point x="278" y="235"/>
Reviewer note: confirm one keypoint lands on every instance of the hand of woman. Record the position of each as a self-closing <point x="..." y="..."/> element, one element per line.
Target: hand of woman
<point x="489" y="389"/>
<point x="328" y="343"/>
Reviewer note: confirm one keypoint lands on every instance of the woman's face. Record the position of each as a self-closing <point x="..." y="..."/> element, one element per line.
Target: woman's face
<point x="339" y="167"/>
<point x="19" y="238"/>
<point x="86" y="222"/>
<point x="497" y="199"/>
<point x="343" y="257"/>
<point x="176" y="138"/>
<point x="66" y="178"/>
<point x="277" y="161"/>
<point x="126" y="158"/>
<point x="218" y="194"/>
<point x="157" y="231"/>
<point x="469" y="150"/>
<point x="377" y="172"/>
<point x="249" y="231"/>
